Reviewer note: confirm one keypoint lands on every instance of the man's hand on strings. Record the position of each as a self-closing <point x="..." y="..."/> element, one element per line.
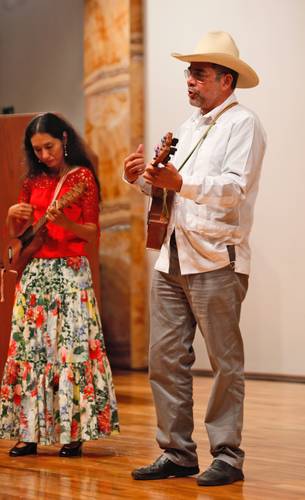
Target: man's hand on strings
<point x="165" y="177"/>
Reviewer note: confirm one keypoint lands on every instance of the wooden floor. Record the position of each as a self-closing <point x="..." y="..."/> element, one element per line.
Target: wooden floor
<point x="274" y="441"/>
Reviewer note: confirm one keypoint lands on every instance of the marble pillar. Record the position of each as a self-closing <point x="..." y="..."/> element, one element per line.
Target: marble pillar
<point x="113" y="58"/>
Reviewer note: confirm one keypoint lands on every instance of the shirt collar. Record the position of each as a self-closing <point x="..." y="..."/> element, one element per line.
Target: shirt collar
<point x="209" y="117"/>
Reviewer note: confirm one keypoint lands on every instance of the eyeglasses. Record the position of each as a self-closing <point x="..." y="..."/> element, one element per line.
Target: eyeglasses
<point x="197" y="74"/>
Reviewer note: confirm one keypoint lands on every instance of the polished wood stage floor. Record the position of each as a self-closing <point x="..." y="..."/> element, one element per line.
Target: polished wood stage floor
<point x="274" y="441"/>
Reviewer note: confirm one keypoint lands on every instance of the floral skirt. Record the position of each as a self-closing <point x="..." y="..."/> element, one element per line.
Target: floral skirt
<point x="57" y="382"/>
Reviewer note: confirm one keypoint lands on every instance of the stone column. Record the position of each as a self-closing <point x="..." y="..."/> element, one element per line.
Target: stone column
<point x="113" y="53"/>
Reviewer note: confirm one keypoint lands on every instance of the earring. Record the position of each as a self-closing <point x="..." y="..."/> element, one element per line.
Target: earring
<point x="65" y="151"/>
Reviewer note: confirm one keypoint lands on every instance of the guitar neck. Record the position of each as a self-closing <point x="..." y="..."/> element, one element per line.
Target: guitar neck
<point x="31" y="231"/>
<point x="39" y="224"/>
<point x="165" y="151"/>
<point x="64" y="201"/>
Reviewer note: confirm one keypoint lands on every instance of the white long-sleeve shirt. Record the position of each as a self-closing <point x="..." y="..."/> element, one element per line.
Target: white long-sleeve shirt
<point x="214" y="207"/>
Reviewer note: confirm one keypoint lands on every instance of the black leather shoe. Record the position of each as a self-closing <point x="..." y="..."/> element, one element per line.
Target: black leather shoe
<point x="220" y="473"/>
<point x="71" y="450"/>
<point x="22" y="451"/>
<point x="163" y="468"/>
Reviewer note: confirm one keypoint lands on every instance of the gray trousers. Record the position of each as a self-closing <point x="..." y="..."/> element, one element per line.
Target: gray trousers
<point x="211" y="300"/>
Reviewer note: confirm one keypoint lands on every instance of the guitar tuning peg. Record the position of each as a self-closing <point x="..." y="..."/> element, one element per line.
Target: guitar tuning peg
<point x="175" y="141"/>
<point x="172" y="151"/>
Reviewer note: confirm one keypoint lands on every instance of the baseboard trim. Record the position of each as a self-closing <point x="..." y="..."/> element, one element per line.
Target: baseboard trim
<point x="274" y="377"/>
<point x="271" y="377"/>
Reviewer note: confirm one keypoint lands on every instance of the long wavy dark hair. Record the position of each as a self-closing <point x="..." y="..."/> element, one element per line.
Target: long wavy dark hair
<point x="49" y="123"/>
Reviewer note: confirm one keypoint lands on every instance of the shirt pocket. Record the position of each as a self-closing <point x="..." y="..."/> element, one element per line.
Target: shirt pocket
<point x="214" y="224"/>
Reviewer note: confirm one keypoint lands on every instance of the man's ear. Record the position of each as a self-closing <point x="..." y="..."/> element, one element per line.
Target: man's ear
<point x="227" y="80"/>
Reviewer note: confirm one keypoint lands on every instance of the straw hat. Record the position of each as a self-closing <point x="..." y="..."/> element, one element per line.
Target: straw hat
<point x="218" y="47"/>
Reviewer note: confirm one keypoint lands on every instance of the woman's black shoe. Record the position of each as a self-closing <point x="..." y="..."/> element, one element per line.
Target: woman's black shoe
<point x="73" y="449"/>
<point x="22" y="451"/>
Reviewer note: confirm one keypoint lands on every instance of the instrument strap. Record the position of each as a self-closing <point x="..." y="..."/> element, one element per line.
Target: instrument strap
<point x="206" y="133"/>
<point x="165" y="211"/>
<point x="61" y="182"/>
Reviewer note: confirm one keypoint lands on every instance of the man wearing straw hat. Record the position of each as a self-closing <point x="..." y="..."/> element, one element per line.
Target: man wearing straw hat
<point x="201" y="275"/>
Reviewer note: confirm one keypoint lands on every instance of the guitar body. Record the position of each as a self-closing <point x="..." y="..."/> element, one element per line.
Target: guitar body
<point x="157" y="221"/>
<point x="11" y="254"/>
<point x="18" y="253"/>
<point x="161" y="203"/>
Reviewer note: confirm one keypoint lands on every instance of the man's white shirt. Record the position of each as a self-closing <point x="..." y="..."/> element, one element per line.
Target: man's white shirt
<point x="220" y="182"/>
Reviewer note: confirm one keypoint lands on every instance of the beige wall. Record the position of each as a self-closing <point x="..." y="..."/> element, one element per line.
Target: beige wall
<point x="41" y="57"/>
<point x="271" y="37"/>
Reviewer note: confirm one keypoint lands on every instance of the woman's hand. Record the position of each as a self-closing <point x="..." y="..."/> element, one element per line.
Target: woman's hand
<point x="134" y="165"/>
<point x="21" y="212"/>
<point x="87" y="232"/>
<point x="57" y="217"/>
<point x="19" y="217"/>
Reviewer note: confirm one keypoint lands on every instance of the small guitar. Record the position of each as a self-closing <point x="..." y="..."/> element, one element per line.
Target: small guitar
<point x="20" y="250"/>
<point x="160" y="208"/>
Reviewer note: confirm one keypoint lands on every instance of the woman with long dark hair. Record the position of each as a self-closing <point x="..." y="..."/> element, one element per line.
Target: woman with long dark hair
<point x="57" y="383"/>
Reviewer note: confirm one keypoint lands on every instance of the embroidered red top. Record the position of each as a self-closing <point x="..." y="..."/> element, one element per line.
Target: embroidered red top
<point x="39" y="191"/>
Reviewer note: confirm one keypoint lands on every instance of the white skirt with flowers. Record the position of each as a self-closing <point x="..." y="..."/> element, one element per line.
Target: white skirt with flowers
<point x="57" y="382"/>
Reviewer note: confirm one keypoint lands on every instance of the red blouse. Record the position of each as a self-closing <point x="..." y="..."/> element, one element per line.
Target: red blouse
<point x="39" y="191"/>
